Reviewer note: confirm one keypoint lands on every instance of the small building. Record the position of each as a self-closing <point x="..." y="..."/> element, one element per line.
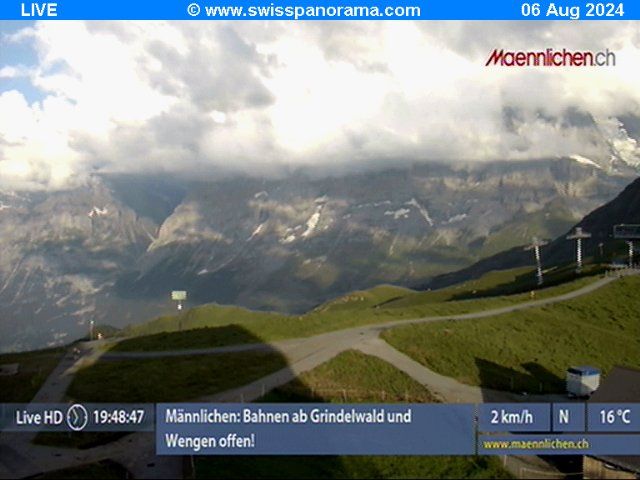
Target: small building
<point x="582" y="381"/>
<point x="621" y="385"/>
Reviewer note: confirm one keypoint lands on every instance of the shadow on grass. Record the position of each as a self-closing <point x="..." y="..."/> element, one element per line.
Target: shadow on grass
<point x="346" y="375"/>
<point x="192" y="339"/>
<point x="548" y="380"/>
<point x="537" y="380"/>
<point x="171" y="376"/>
<point x="174" y="374"/>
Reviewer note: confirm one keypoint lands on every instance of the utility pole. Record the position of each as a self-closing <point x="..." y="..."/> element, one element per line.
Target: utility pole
<point x="535" y="246"/>
<point x="630" y="234"/>
<point x="578" y="235"/>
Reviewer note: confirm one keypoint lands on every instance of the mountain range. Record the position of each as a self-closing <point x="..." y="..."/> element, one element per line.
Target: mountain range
<point x="599" y="224"/>
<point x="112" y="249"/>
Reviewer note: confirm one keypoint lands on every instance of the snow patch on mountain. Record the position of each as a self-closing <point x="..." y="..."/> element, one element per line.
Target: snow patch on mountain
<point x="373" y="204"/>
<point x="318" y="261"/>
<point x="312" y="223"/>
<point x="423" y="211"/>
<point x="256" y="232"/>
<point x="288" y="239"/>
<point x="392" y="247"/>
<point x="455" y="219"/>
<point x="98" y="212"/>
<point x="622" y="146"/>
<point x="83" y="312"/>
<point x="585" y="161"/>
<point x="397" y="214"/>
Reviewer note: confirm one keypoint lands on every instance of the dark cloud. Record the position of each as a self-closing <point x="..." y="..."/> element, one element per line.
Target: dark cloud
<point x="220" y="71"/>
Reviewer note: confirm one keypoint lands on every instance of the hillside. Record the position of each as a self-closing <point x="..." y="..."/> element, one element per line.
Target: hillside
<point x="624" y="209"/>
<point x="214" y="325"/>
<point x="112" y="248"/>
<point x="531" y="350"/>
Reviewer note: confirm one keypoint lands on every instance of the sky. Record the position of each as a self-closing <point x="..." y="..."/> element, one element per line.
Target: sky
<point x="264" y="98"/>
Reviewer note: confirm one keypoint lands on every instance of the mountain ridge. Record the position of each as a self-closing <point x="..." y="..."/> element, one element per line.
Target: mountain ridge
<point x="623" y="209"/>
<point x="113" y="248"/>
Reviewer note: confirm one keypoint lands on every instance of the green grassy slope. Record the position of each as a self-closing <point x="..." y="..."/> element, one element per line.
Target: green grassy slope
<point x="553" y="220"/>
<point x="360" y="308"/>
<point x="354" y="377"/>
<point x="530" y="350"/>
<point x="364" y="379"/>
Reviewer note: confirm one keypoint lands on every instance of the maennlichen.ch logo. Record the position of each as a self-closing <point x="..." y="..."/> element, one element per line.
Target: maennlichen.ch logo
<point x="551" y="58"/>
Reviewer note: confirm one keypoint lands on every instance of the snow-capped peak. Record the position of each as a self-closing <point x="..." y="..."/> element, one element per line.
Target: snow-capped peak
<point x="622" y="146"/>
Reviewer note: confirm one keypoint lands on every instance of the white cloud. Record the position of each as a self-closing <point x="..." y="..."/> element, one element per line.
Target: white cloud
<point x="260" y="96"/>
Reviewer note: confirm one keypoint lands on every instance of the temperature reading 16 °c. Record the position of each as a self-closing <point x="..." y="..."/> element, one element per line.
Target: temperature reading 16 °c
<point x="610" y="417"/>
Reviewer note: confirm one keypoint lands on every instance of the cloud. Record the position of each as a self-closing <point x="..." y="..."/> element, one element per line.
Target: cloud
<point x="265" y="97"/>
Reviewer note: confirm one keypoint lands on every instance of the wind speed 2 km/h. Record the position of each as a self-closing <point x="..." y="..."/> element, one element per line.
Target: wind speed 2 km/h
<point x="573" y="12"/>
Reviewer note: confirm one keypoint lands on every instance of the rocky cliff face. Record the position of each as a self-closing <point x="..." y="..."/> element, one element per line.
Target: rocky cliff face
<point x="602" y="246"/>
<point x="290" y="244"/>
<point x="113" y="249"/>
<point x="60" y="255"/>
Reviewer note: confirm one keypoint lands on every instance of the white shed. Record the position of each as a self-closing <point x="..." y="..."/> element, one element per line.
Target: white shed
<point x="582" y="381"/>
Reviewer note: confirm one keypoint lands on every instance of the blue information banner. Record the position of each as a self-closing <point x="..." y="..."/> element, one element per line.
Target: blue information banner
<point x="565" y="444"/>
<point x="515" y="417"/>
<point x="570" y="10"/>
<point x="614" y="417"/>
<point x="78" y="417"/>
<point x="315" y="429"/>
<point x="569" y="417"/>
